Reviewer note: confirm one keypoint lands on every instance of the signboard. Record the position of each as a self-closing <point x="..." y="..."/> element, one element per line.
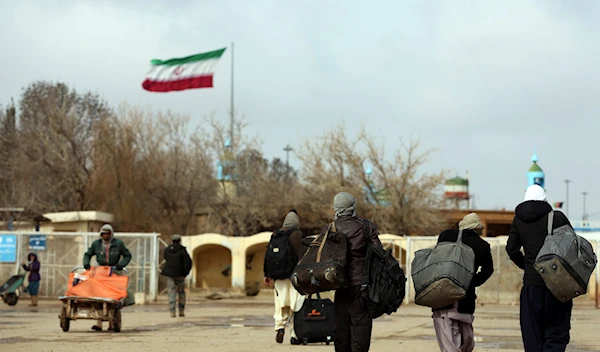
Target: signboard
<point x="8" y="248"/>
<point x="37" y="242"/>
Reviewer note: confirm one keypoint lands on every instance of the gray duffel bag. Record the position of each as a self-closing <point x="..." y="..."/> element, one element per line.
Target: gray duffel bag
<point x="565" y="262"/>
<point x="442" y="275"/>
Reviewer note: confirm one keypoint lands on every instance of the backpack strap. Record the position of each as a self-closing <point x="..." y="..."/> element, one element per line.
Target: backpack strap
<point x="550" y="222"/>
<point x="459" y="239"/>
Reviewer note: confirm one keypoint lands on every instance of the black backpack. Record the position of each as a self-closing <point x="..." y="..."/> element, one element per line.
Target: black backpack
<point x="280" y="257"/>
<point x="385" y="286"/>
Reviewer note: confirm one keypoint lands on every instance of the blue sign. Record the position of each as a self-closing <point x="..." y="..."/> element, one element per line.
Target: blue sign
<point x="37" y="243"/>
<point x="8" y="248"/>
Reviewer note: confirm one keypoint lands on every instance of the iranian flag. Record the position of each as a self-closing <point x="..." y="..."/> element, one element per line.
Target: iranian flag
<point x="195" y="71"/>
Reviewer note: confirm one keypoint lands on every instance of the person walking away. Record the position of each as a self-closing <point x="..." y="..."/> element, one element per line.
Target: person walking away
<point x="545" y="321"/>
<point x="177" y="266"/>
<point x="454" y="324"/>
<point x="353" y="324"/>
<point x="109" y="251"/>
<point x="34" y="277"/>
<point x="278" y="267"/>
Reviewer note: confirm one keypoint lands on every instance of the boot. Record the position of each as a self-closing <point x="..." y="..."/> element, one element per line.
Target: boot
<point x="34" y="301"/>
<point x="172" y="314"/>
<point x="181" y="309"/>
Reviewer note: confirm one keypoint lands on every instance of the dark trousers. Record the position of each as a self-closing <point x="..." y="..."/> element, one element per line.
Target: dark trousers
<point x="353" y="324"/>
<point x="545" y="321"/>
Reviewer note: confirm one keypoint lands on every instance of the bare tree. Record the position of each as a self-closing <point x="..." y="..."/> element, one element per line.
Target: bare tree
<point x="59" y="127"/>
<point x="175" y="170"/>
<point x="397" y="195"/>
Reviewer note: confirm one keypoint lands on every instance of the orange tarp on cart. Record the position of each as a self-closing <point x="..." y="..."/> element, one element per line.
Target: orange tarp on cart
<point x="98" y="283"/>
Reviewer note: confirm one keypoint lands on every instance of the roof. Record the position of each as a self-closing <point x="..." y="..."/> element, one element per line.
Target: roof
<point x="457" y="181"/>
<point x="535" y="168"/>
<point x="73" y="216"/>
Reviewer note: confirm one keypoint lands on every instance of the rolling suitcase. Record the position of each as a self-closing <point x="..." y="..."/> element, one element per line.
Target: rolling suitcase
<point x="315" y="321"/>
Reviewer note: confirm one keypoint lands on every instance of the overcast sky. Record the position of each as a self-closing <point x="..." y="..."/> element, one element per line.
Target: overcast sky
<point x="485" y="82"/>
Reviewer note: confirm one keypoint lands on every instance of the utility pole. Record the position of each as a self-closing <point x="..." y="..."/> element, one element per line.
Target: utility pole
<point x="567" y="181"/>
<point x="584" y="195"/>
<point x="287" y="150"/>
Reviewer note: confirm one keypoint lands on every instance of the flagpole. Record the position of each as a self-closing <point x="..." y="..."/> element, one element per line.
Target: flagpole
<point x="232" y="111"/>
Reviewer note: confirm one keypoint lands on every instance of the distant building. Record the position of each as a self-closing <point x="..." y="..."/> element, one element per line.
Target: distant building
<point x="535" y="175"/>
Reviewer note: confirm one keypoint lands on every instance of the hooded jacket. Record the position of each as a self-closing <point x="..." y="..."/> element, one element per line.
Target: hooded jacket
<point x="33" y="267"/>
<point x="108" y="254"/>
<point x="177" y="261"/>
<point x="528" y="231"/>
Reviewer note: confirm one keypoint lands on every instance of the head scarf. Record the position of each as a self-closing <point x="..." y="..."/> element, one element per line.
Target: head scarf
<point x="291" y="220"/>
<point x="535" y="192"/>
<point x="344" y="204"/>
<point x="471" y="222"/>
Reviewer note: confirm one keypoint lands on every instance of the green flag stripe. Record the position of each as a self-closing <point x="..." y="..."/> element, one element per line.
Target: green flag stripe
<point x="189" y="59"/>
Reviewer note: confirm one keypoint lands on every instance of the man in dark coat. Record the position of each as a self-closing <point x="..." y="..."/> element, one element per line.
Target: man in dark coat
<point x="545" y="321"/>
<point x="353" y="324"/>
<point x="177" y="266"/>
<point x="109" y="251"/>
<point x="454" y="324"/>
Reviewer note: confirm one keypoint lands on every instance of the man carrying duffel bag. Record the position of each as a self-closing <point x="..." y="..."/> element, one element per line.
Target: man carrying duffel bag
<point x="454" y="324"/>
<point x="353" y="323"/>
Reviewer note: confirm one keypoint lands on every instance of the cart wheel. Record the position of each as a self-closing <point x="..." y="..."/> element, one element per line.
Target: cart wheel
<point x="12" y="298"/>
<point x="65" y="323"/>
<point x="117" y="320"/>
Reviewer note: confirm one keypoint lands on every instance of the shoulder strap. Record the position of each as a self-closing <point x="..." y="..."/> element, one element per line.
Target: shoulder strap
<point x="550" y="222"/>
<point x="331" y="226"/>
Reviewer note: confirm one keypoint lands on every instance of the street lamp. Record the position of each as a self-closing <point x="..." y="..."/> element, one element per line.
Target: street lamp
<point x="567" y="181"/>
<point x="584" y="195"/>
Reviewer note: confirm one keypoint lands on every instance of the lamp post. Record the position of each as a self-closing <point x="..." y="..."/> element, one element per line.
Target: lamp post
<point x="584" y="195"/>
<point x="287" y="150"/>
<point x="567" y="181"/>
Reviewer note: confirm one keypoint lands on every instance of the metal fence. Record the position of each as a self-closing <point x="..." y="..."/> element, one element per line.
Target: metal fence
<point x="64" y="250"/>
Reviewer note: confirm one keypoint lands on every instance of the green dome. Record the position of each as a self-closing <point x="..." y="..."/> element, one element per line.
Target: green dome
<point x="535" y="168"/>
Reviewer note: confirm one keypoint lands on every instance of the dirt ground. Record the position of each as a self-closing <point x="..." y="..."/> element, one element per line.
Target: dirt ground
<point x="246" y="325"/>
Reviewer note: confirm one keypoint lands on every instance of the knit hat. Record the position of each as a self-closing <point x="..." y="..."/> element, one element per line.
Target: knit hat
<point x="291" y="220"/>
<point x="471" y="222"/>
<point x="344" y="204"/>
<point x="535" y="192"/>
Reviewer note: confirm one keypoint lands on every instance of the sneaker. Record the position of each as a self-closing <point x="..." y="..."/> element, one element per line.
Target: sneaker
<point x="279" y="336"/>
<point x="294" y="341"/>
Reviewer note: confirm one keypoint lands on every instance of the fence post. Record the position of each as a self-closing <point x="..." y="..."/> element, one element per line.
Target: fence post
<point x="153" y="269"/>
<point x="597" y="275"/>
<point x="18" y="252"/>
<point x="407" y="266"/>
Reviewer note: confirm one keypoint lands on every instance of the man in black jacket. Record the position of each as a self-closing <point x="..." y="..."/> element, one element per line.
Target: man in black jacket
<point x="353" y="324"/>
<point x="177" y="266"/>
<point x="454" y="324"/>
<point x="545" y="321"/>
